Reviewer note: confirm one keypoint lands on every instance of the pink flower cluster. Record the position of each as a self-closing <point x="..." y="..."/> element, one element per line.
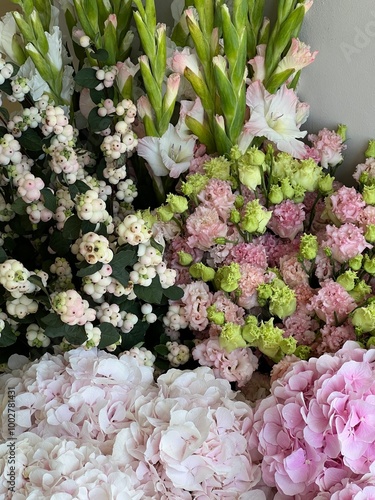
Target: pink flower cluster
<point x="287" y="219"/>
<point x="315" y="433"/>
<point x="327" y="147"/>
<point x="91" y="425"/>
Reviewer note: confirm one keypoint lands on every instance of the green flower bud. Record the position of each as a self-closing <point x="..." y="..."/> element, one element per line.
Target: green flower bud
<point x="283" y="302"/>
<point x="255" y="218"/>
<point x="303" y="352"/>
<point x="370" y="344"/>
<point x="250" y="175"/>
<point x="220" y="240"/>
<point x="369" y="264"/>
<point x="347" y="280"/>
<point x="341" y="131"/>
<point x="368" y="194"/>
<point x="194" y="184"/>
<point x="275" y="194"/>
<point x="235" y="153"/>
<point x="370" y="151"/>
<point x="215" y="316"/>
<point x="356" y="262"/>
<point x="254" y="156"/>
<point x="165" y="214"/>
<point x="177" y="204"/>
<point x="201" y="272"/>
<point x="218" y="168"/>
<point x="309" y="246"/>
<point x="284" y="166"/>
<point x="239" y="201"/>
<point x="230" y="337"/>
<point x="234" y="216"/>
<point x="370" y="233"/>
<point x="325" y="184"/>
<point x="228" y="277"/>
<point x="363" y="318"/>
<point x="364" y="178"/>
<point x="251" y="331"/>
<point x="184" y="258"/>
<point x="307" y="175"/>
<point x="361" y="291"/>
<point x="264" y="292"/>
<point x="288" y="345"/>
<point x="287" y="189"/>
<point x="270" y="340"/>
<point x="299" y="193"/>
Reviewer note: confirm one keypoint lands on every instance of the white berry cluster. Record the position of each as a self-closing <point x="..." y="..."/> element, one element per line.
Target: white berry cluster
<point x="106" y="76"/>
<point x="143" y="356"/>
<point x="126" y="191"/>
<point x="71" y="308"/>
<point x="63" y="159"/>
<point x="167" y="276"/>
<point x="14" y="278"/>
<point x="114" y="173"/>
<point x="175" y="319"/>
<point x="29" y="187"/>
<point x="35" y="336"/>
<point x="9" y="150"/>
<point x="95" y="248"/>
<point x="22" y="306"/>
<point x="148" y="315"/>
<point x="178" y="354"/>
<point x="101" y="187"/>
<point x="93" y="336"/>
<point x="37" y="212"/>
<point x="6" y="70"/>
<point x="29" y="118"/>
<point x="17" y="170"/>
<point x="20" y="87"/>
<point x="91" y="208"/>
<point x="133" y="230"/>
<point x="54" y="121"/>
<point x="65" y="206"/>
<point x="98" y="283"/>
<point x="61" y="268"/>
<point x="110" y="313"/>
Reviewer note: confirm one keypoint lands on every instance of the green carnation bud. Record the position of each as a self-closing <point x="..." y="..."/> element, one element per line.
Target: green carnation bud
<point x="184" y="258"/>
<point x="347" y="280"/>
<point x="194" y="184"/>
<point x="368" y="194"/>
<point x="355" y="263"/>
<point x="284" y="166"/>
<point x="309" y="246"/>
<point x="230" y="337"/>
<point x="341" y="131"/>
<point x="249" y="175"/>
<point x="250" y="330"/>
<point x="234" y="216"/>
<point x="361" y="291"/>
<point x="264" y="292"/>
<point x="327" y="251"/>
<point x="370" y="344"/>
<point x="148" y="217"/>
<point x="239" y="201"/>
<point x="363" y="318"/>
<point x="177" y="204"/>
<point x="370" y="151"/>
<point x="288" y="345"/>
<point x="325" y="184"/>
<point x="254" y="156"/>
<point x="299" y="193"/>
<point x="270" y="340"/>
<point x="255" y="218"/>
<point x="303" y="352"/>
<point x="369" y="264"/>
<point x="283" y="302"/>
<point x="235" y="153"/>
<point x="165" y="214"/>
<point x="228" y="277"/>
<point x="220" y="240"/>
<point x="370" y="233"/>
<point x="365" y="179"/>
<point x="307" y="175"/>
<point x="218" y="168"/>
<point x="201" y="272"/>
<point x="215" y="316"/>
<point x="286" y="187"/>
<point x="275" y="194"/>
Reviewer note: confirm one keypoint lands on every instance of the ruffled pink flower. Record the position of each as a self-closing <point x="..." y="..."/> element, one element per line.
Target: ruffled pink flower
<point x="251" y="278"/>
<point x="332" y="303"/>
<point x="218" y="195"/>
<point x="233" y="313"/>
<point x="287" y="219"/>
<point x="301" y="327"/>
<point x="334" y="337"/>
<point x="324" y="267"/>
<point x="196" y="299"/>
<point x="292" y="271"/>
<point x="368" y="168"/>
<point x="276" y="247"/>
<point x="236" y="366"/>
<point x="345" y="242"/>
<point x="328" y="146"/>
<point x="366" y="217"/>
<point x="347" y="204"/>
<point x="219" y="253"/>
<point x="203" y="227"/>
<point x="179" y="244"/>
<point x="303" y="295"/>
<point x="248" y="253"/>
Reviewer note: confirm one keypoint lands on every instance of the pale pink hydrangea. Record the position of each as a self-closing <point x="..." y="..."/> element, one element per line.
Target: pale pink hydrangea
<point x="251" y="278"/>
<point x="287" y="219"/>
<point x="248" y="253"/>
<point x="292" y="271"/>
<point x="334" y="337"/>
<point x="345" y="242"/>
<point x="203" y="227"/>
<point x="332" y="303"/>
<point x="197" y="297"/>
<point x="235" y="366"/>
<point x="346" y="204"/>
<point x="218" y="195"/>
<point x="328" y="147"/>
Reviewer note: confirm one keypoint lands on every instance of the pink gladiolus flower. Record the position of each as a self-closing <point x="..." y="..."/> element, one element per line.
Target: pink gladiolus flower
<point x="297" y="57"/>
<point x="258" y="63"/>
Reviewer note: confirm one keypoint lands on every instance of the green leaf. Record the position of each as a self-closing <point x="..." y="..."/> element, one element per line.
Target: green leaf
<point x="153" y="294"/>
<point x="53" y="320"/>
<point x="5" y="113"/>
<point x="135" y="336"/>
<point x="109" y="335"/>
<point x="72" y="228"/>
<point x="96" y="122"/>
<point x="19" y="206"/>
<point x="36" y="280"/>
<point x="30" y="140"/>
<point x="162" y="349"/>
<point x="49" y="199"/>
<point x="59" y="244"/>
<point x="174" y="292"/>
<point x="86" y="77"/>
<point x="87" y="271"/>
<point x="7" y="336"/>
<point x="3" y="255"/>
<point x="157" y="245"/>
<point x="100" y="55"/>
<point x="75" y="335"/>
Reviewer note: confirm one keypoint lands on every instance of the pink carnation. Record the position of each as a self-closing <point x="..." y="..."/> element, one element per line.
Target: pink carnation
<point x="251" y="278"/>
<point x="235" y="366"/>
<point x="347" y="204"/>
<point x="301" y="327"/>
<point x="218" y="195"/>
<point x="179" y="244"/>
<point x="196" y="299"/>
<point x="292" y="271"/>
<point x="233" y="313"/>
<point x="334" y="337"/>
<point x="287" y="219"/>
<point x="332" y="303"/>
<point x="248" y="253"/>
<point x="345" y="242"/>
<point x="324" y="268"/>
<point x="196" y="164"/>
<point x="328" y="146"/>
<point x="367" y="217"/>
<point x="203" y="227"/>
<point x="368" y="168"/>
<point x="276" y="247"/>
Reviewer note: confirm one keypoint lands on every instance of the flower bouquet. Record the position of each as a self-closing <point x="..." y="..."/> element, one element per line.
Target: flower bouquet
<point x="161" y="208"/>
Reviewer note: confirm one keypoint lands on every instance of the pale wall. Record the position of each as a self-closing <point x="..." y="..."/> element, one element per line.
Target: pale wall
<point x="340" y="85"/>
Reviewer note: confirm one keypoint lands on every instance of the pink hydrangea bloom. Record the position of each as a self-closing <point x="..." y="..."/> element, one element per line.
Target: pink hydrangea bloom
<point x="328" y="146"/>
<point x="218" y="195"/>
<point x="203" y="227"/>
<point x="345" y="242"/>
<point x="287" y="219"/>
<point x="332" y="303"/>
<point x="251" y="278"/>
<point x="235" y="366"/>
<point x="347" y="204"/>
<point x="248" y="253"/>
<point x="197" y="297"/>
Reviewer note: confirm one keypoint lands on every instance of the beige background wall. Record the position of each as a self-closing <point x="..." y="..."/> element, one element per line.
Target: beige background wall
<point x="340" y="85"/>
